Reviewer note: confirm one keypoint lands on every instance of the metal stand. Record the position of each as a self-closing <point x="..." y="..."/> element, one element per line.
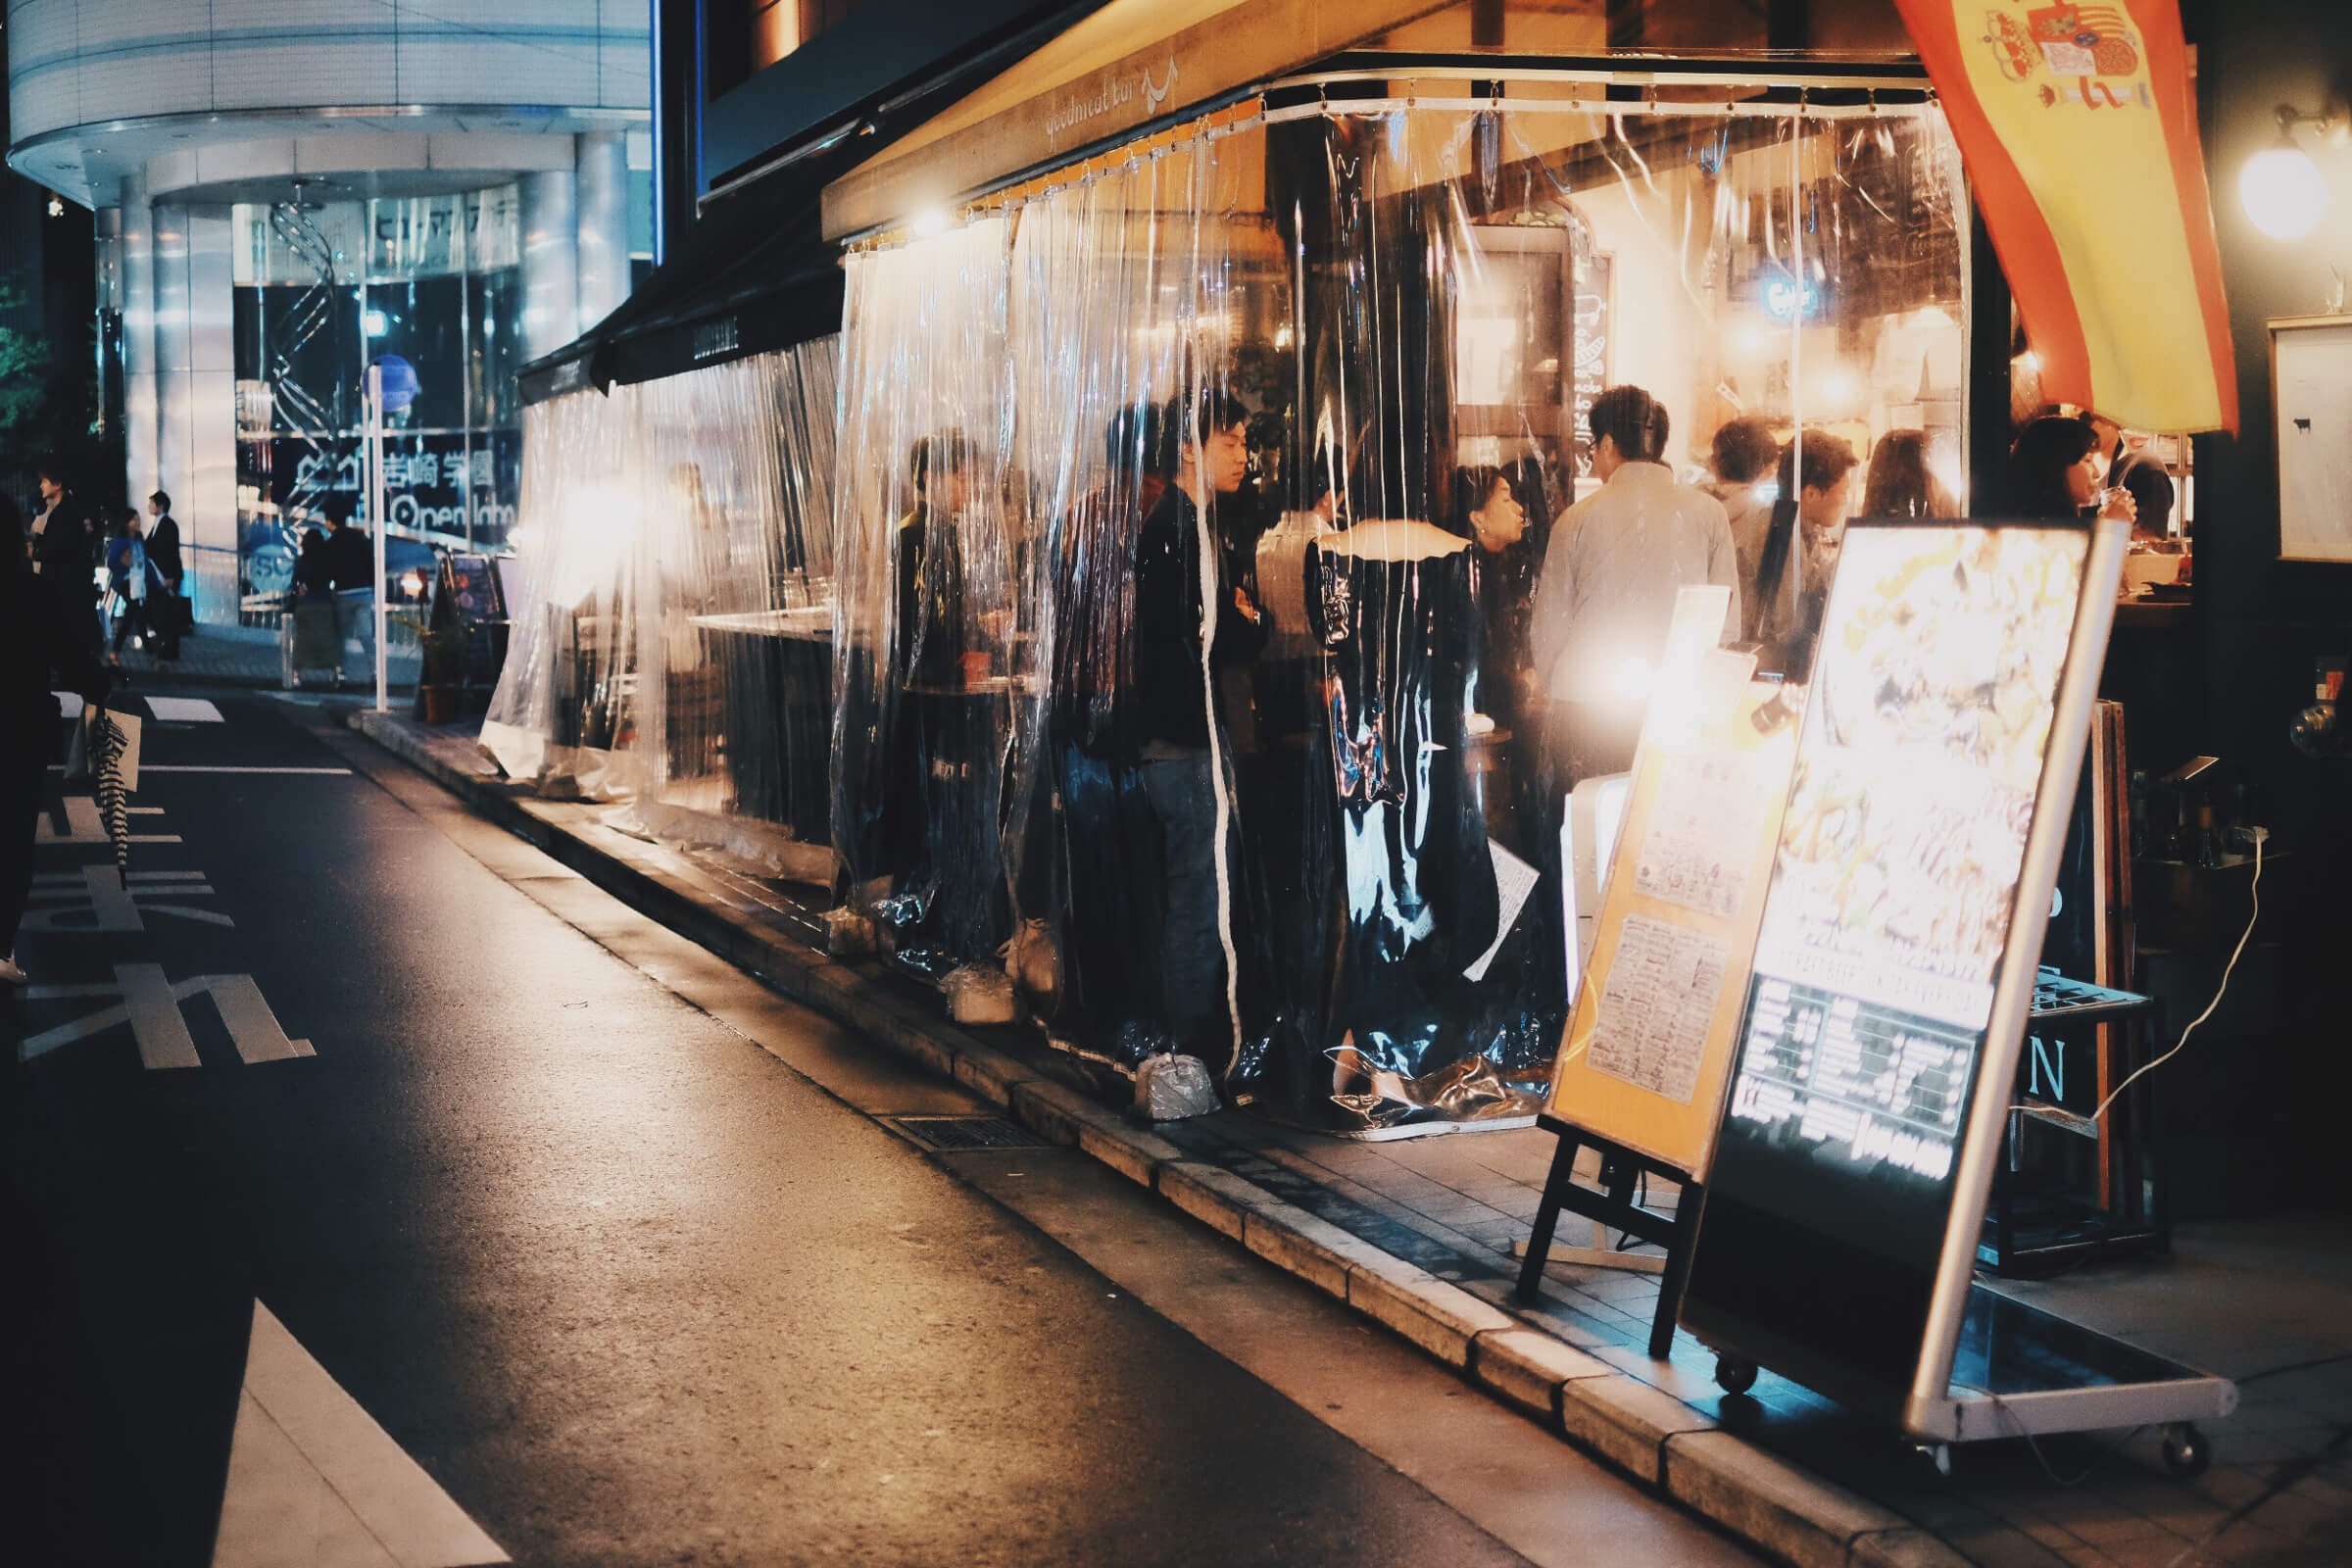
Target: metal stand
<point x="2036" y="1227"/>
<point x="1613" y="1205"/>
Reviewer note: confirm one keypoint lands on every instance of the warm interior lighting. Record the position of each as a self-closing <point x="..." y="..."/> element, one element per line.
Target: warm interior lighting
<point x="930" y="221"/>
<point x="2282" y="190"/>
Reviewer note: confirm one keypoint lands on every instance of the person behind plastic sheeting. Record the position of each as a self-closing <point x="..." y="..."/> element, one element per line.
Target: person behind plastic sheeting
<point x="1900" y="484"/>
<point x="1800" y="553"/>
<point x="1606" y="594"/>
<point x="1744" y="451"/>
<point x="2132" y="469"/>
<point x="41" y="642"/>
<point x="1174" y="612"/>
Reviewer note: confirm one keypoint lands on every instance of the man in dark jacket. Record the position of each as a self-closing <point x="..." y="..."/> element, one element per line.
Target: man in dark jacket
<point x="65" y="547"/>
<point x="163" y="550"/>
<point x="2137" y="472"/>
<point x="351" y="561"/>
<point x="42" y="639"/>
<point x="1173" y="713"/>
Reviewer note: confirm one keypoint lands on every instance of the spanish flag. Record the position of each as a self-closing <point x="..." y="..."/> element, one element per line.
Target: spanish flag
<point x="2080" y="133"/>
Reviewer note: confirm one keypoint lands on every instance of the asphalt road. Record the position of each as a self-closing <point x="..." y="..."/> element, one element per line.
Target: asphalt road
<point x="634" y="1278"/>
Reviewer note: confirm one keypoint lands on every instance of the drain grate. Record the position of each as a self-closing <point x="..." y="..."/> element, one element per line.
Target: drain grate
<point x="959" y="1134"/>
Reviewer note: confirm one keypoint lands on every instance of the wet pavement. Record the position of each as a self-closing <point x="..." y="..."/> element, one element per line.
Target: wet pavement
<point x="413" y="1196"/>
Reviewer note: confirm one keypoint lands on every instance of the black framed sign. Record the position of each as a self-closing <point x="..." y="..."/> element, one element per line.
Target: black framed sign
<point x="1936" y="762"/>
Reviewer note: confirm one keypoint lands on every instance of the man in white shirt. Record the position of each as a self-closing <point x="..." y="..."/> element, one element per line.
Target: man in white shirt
<point x="1606" y="594"/>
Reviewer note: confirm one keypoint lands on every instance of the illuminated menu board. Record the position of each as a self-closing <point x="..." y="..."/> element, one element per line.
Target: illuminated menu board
<point x="1894" y="888"/>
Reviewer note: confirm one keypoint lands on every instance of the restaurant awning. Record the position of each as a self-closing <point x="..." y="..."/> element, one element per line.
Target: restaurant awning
<point x="747" y="282"/>
<point x="1126" y="66"/>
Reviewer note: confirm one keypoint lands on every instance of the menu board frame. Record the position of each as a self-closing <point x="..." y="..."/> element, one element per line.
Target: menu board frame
<point x="1923" y="1398"/>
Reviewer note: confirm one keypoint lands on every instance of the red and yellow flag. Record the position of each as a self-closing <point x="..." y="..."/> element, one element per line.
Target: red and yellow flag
<point x="2080" y="133"/>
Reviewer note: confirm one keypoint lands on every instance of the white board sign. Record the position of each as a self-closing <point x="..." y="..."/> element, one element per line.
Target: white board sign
<point x="2311" y="400"/>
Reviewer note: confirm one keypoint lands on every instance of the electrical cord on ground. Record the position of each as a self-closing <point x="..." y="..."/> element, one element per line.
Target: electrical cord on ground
<point x="2049" y="1470"/>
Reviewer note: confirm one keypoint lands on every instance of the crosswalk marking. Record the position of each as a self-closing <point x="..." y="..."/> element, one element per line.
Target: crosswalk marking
<point x="184" y="710"/>
<point x="314" y="1480"/>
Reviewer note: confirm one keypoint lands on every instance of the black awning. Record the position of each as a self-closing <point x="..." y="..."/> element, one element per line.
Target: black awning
<point x="745" y="281"/>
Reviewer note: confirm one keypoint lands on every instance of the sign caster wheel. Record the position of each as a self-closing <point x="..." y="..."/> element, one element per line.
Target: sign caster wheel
<point x="1732" y="1375"/>
<point x="2187" y="1453"/>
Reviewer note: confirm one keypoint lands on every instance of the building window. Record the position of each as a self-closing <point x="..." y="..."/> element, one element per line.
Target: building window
<point x="430" y="287"/>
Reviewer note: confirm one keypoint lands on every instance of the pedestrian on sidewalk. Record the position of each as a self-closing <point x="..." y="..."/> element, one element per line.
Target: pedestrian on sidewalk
<point x="163" y="549"/>
<point x="318" y="633"/>
<point x="41" y="644"/>
<point x="65" y="549"/>
<point x="351" y="558"/>
<point x="128" y="579"/>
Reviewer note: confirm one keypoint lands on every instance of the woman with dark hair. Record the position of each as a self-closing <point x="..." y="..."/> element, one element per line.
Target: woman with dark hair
<point x="2055" y="471"/>
<point x="1900" y="484"/>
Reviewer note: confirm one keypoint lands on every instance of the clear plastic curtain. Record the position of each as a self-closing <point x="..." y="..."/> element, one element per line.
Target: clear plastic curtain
<point x="1192" y="517"/>
<point x="677" y="648"/>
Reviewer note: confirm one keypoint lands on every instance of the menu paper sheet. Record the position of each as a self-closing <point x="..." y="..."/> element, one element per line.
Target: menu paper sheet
<point x="1702" y="833"/>
<point x="1655" y="1009"/>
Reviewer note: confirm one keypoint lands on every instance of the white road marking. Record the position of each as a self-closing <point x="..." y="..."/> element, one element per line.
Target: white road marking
<point x="111" y="904"/>
<point x="252" y="1024"/>
<point x="184" y="710"/>
<point x="314" y="1480"/>
<point x="83" y="825"/>
<point x="191" y="767"/>
<point x="154" y="1020"/>
<point x="151" y="1006"/>
<point x="110" y="900"/>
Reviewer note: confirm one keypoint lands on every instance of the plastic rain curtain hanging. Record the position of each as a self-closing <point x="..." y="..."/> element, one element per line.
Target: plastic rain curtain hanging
<point x="675" y="652"/>
<point x="1198" y="672"/>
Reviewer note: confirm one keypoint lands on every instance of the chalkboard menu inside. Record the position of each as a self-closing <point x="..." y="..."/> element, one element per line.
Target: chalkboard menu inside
<point x="1893" y="893"/>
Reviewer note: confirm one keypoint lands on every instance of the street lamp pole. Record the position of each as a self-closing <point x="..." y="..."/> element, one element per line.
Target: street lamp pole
<point x="375" y="516"/>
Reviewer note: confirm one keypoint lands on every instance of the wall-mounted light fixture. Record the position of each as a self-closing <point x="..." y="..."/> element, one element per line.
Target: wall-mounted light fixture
<point x="2283" y="192"/>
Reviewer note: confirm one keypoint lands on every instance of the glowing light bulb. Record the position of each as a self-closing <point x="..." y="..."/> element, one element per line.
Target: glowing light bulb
<point x="930" y="221"/>
<point x="2283" y="192"/>
<point x="1634" y="677"/>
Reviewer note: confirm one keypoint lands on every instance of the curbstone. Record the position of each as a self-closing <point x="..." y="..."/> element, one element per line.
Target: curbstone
<point x="990" y="1074"/>
<point x="1205" y="1192"/>
<point x="1047" y="1109"/>
<point x="1527" y="1367"/>
<point x="1305" y="1244"/>
<point x="1766" y="1501"/>
<point x="1131" y="1151"/>
<point x="1907" y="1547"/>
<point x="1440" y="1318"/>
<point x="1625" y="1422"/>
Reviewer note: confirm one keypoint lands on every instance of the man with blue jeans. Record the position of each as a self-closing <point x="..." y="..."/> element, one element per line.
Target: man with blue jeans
<point x="1173" y="614"/>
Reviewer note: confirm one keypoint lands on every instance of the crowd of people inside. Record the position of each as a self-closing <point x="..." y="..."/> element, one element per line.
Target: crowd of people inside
<point x="1287" y="732"/>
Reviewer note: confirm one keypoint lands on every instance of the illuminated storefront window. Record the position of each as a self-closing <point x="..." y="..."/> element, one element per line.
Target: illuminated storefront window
<point x="430" y="287"/>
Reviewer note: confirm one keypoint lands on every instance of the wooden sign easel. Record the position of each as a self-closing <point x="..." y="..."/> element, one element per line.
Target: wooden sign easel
<point x="1646" y="1058"/>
